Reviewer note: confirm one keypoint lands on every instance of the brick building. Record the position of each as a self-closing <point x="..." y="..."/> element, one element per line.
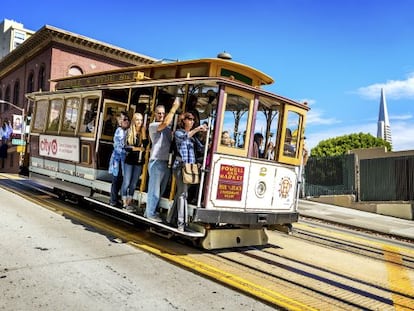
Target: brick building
<point x="48" y="54"/>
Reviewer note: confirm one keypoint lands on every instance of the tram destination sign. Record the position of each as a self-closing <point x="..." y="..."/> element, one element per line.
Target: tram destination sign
<point x="103" y="79"/>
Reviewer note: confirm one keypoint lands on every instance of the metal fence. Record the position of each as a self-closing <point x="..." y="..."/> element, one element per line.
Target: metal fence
<point x="380" y="179"/>
<point x="330" y="175"/>
<point x="387" y="179"/>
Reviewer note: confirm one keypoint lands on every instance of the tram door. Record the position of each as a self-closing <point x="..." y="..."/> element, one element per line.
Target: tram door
<point x="109" y="121"/>
<point x="230" y="165"/>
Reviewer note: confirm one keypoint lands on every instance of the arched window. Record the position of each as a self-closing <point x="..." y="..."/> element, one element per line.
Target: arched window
<point x="75" y="71"/>
<point x="16" y="91"/>
<point x="7" y="97"/>
<point x="41" y="78"/>
<point x="30" y="82"/>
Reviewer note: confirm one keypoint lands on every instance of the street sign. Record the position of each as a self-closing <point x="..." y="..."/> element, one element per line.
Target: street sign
<point x="19" y="142"/>
<point x="20" y="149"/>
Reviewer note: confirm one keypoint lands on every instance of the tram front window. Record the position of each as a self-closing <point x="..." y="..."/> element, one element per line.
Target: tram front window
<point x="291" y="142"/>
<point x="235" y="123"/>
<point x="266" y="125"/>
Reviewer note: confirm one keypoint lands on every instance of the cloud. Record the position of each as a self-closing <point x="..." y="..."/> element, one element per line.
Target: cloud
<point x="402" y="133"/>
<point x="315" y="117"/>
<point x="394" y="89"/>
<point x="401" y="117"/>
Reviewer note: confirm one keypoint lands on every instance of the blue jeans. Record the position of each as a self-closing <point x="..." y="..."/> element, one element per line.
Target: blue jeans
<point x="131" y="177"/>
<point x="159" y="173"/>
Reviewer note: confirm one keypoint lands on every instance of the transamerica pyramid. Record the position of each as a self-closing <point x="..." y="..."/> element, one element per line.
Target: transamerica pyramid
<point x="384" y="129"/>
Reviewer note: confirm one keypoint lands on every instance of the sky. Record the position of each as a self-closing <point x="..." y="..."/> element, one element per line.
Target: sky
<point x="336" y="55"/>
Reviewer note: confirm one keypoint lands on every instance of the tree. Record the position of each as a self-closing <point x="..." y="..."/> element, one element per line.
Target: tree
<point x="341" y="144"/>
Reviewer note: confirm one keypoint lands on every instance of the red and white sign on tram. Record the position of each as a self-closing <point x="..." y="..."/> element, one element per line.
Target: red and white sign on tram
<point x="59" y="147"/>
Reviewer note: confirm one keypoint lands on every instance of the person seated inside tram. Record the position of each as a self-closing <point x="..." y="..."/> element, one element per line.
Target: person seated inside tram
<point x="90" y="126"/>
<point x="270" y="151"/>
<point x="111" y="122"/>
<point x="226" y="140"/>
<point x="289" y="149"/>
<point x="257" y="142"/>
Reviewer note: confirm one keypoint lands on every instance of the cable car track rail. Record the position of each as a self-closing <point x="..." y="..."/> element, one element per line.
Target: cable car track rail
<point x="276" y="273"/>
<point x="357" y="245"/>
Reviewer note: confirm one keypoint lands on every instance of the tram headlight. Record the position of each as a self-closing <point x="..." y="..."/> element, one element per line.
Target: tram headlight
<point x="260" y="189"/>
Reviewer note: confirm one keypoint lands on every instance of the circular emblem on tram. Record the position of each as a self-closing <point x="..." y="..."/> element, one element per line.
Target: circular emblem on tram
<point x="260" y="189"/>
<point x="285" y="186"/>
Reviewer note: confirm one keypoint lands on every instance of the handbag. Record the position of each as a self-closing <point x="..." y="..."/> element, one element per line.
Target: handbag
<point x="191" y="173"/>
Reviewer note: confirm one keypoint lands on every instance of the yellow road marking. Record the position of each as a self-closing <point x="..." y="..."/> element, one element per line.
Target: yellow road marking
<point x="226" y="278"/>
<point x="10" y="176"/>
<point x="221" y="276"/>
<point x="398" y="279"/>
<point x="351" y="238"/>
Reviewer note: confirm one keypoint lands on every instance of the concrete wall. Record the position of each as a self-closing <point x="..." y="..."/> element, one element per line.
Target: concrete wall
<point x="404" y="210"/>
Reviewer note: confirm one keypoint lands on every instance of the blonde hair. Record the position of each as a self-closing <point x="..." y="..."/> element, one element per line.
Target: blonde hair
<point x="133" y="131"/>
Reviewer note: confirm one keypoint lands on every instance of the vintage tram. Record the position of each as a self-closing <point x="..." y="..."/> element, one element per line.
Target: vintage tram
<point x="241" y="193"/>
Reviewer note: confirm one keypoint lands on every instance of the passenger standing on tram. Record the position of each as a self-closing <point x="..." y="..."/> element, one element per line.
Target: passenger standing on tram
<point x="159" y="173"/>
<point x="187" y="145"/>
<point x="257" y="142"/>
<point x="117" y="161"/>
<point x="136" y="142"/>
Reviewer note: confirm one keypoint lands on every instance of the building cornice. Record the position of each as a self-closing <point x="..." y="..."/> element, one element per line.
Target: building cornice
<point x="48" y="35"/>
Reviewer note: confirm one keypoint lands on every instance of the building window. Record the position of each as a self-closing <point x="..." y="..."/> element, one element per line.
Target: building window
<point x="19" y="38"/>
<point x="75" y="71"/>
<point x="41" y="78"/>
<point x="16" y="92"/>
<point x="7" y="98"/>
<point x="30" y="82"/>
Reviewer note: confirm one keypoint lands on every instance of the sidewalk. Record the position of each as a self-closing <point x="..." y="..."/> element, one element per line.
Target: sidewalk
<point x="352" y="217"/>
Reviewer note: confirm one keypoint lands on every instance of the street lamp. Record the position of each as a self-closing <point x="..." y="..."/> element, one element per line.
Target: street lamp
<point x="23" y="126"/>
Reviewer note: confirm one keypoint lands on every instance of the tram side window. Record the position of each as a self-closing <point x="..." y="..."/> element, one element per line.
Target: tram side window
<point x="40" y="115"/>
<point x="56" y="106"/>
<point x="201" y="102"/>
<point x="235" y="122"/>
<point x="71" y="115"/>
<point x="89" y="114"/>
<point x="266" y="125"/>
<point x="111" y="118"/>
<point x="291" y="142"/>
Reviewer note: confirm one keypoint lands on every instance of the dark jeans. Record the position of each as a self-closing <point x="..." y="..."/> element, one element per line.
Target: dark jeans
<point x="115" y="187"/>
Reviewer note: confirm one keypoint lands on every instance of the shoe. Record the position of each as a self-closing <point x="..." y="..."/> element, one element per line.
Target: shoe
<point x="129" y="209"/>
<point x="155" y="218"/>
<point x="113" y="204"/>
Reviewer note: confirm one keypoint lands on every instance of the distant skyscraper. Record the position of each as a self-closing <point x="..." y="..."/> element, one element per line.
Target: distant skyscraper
<point x="12" y="34"/>
<point x="384" y="130"/>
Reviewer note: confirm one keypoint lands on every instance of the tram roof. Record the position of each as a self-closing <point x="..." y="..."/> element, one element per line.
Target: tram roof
<point x="208" y="67"/>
